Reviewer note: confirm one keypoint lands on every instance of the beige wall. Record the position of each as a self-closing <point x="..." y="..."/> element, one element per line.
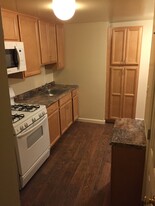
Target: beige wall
<point x="86" y="65"/>
<point x="144" y="62"/>
<point x="86" y="46"/>
<point x="23" y="85"/>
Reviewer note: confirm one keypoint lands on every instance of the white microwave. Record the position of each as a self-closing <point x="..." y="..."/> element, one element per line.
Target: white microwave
<point x="15" y="57"/>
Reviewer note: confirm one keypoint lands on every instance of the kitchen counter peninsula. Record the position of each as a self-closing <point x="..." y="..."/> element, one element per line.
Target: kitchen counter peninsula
<point x="46" y="94"/>
<point x="127" y="163"/>
<point x="129" y="132"/>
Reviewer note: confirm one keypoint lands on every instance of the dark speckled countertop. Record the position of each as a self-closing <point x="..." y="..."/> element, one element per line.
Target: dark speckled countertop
<point x="129" y="132"/>
<point x="40" y="95"/>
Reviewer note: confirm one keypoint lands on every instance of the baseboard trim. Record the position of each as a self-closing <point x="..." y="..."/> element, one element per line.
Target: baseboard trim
<point x="139" y="118"/>
<point x="95" y="121"/>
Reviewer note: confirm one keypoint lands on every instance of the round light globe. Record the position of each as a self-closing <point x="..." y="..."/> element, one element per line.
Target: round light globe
<point x="64" y="9"/>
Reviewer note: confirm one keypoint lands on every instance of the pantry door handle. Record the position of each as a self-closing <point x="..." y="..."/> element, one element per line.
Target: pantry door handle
<point x="148" y="201"/>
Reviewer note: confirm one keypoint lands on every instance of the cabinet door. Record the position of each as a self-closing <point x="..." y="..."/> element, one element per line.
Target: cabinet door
<point x="75" y="107"/>
<point x="116" y="92"/>
<point x="47" y="35"/>
<point x="118" y="46"/>
<point x="43" y="42"/>
<point x="133" y="45"/>
<point x="130" y="92"/>
<point x="29" y="35"/>
<point x="60" y="46"/>
<point x="10" y="25"/>
<point x="63" y="121"/>
<point x="66" y="116"/>
<point x="52" y="43"/>
<point x="54" y="126"/>
<point x="69" y="117"/>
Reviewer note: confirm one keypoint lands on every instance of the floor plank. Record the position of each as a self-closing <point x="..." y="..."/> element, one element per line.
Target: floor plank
<point x="77" y="171"/>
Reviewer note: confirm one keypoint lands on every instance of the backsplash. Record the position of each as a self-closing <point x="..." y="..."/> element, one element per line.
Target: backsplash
<point x="22" y="85"/>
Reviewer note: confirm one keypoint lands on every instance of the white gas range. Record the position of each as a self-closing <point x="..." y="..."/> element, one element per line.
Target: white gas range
<point x="25" y="115"/>
<point x="32" y="143"/>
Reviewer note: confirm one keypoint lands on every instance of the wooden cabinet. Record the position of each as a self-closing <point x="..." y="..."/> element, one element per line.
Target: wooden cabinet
<point x="75" y="102"/>
<point x="123" y="72"/>
<point x="29" y="35"/>
<point x="20" y="27"/>
<point x="123" y="91"/>
<point x="65" y="104"/>
<point x="60" y="46"/>
<point x="126" y="45"/>
<point x="127" y="164"/>
<point x="47" y="34"/>
<point x="10" y="25"/>
<point x="54" y="122"/>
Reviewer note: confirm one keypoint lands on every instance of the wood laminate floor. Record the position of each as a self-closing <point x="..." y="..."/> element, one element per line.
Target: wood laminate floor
<point x="77" y="173"/>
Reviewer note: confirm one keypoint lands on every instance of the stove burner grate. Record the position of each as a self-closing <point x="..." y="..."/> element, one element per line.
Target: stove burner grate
<point x="24" y="107"/>
<point x="17" y="117"/>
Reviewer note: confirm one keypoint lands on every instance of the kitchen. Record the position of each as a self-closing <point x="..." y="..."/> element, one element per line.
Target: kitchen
<point x="77" y="58"/>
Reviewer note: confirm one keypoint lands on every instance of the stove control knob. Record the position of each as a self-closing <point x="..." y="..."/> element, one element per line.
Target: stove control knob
<point x="26" y="125"/>
<point x="43" y="113"/>
<point x="33" y="119"/>
<point x="21" y="128"/>
<point x="40" y="115"/>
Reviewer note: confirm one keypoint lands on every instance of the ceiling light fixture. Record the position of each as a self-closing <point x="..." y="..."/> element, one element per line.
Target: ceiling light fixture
<point x="64" y="9"/>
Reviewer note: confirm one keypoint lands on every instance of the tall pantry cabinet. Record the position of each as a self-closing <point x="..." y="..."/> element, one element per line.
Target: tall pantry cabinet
<point x="123" y="71"/>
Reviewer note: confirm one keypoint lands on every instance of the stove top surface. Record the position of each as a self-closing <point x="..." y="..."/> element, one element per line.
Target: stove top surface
<point x="25" y="107"/>
<point x="26" y="114"/>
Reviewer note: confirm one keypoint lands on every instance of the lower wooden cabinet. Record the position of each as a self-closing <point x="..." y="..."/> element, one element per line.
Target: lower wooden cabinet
<point x="127" y="162"/>
<point x="61" y="115"/>
<point x="65" y="112"/>
<point x="54" y="122"/>
<point x="75" y="101"/>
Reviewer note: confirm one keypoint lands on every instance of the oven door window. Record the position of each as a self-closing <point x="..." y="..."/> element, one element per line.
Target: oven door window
<point x="34" y="137"/>
<point x="11" y="56"/>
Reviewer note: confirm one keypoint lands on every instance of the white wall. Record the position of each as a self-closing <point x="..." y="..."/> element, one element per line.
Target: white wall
<point x="23" y="85"/>
<point x="144" y="62"/>
<point x="86" y="47"/>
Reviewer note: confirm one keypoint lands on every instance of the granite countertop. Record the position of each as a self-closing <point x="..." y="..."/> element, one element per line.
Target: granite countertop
<point x="41" y="96"/>
<point x="129" y="132"/>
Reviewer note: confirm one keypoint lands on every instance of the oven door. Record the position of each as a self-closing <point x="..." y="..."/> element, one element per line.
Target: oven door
<point x="32" y="143"/>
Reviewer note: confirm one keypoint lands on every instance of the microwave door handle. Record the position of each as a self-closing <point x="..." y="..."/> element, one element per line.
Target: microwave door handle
<point x="16" y="57"/>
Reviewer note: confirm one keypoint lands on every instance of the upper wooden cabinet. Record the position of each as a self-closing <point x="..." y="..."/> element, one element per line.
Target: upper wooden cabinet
<point x="10" y="25"/>
<point x="29" y="35"/>
<point x="60" y="46"/>
<point x="47" y="34"/>
<point x="43" y="41"/>
<point x="126" y="45"/>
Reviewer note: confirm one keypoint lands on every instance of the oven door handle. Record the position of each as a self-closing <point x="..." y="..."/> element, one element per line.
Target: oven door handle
<point x="33" y="126"/>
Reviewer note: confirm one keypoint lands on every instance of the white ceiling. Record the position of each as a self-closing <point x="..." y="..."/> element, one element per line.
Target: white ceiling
<point x="87" y="10"/>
